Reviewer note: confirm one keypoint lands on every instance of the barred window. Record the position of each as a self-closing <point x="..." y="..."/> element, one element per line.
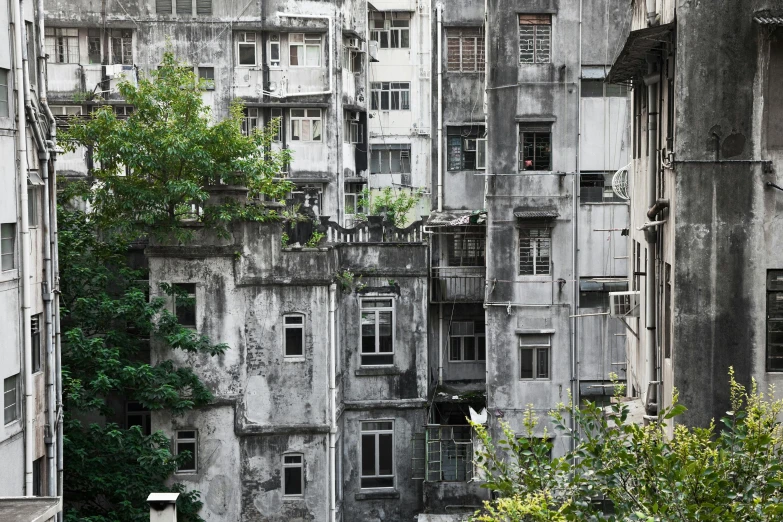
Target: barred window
<point x="467" y="250"/>
<point x="775" y="321"/>
<point x="535" y="250"/>
<point x="535" y="38"/>
<point x="62" y="44"/>
<point x="535" y="147"/>
<point x="465" y="50"/>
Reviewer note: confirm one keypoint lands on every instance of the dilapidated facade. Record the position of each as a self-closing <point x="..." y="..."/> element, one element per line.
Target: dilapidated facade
<point x="705" y="200"/>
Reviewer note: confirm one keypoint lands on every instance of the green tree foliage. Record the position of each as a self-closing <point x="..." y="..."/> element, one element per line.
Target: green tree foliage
<point x="396" y="204"/>
<point x="622" y="471"/>
<point x="154" y="165"/>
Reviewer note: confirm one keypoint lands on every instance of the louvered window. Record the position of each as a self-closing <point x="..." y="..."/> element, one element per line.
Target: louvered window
<point x="185" y="7"/>
<point x="204" y="7"/>
<point x="163" y="7"/>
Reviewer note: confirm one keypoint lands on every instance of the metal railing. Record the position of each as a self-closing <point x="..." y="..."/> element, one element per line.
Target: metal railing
<point x="457" y="284"/>
<point x="443" y="453"/>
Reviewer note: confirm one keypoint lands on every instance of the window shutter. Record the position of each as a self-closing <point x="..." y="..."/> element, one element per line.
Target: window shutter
<point x="204" y="7"/>
<point x="163" y="7"/>
<point x="184" y="6"/>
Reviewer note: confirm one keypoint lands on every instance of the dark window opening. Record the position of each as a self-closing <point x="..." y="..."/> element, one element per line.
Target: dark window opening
<point x="293" y="475"/>
<point x="535" y="147"/>
<point x="466" y="147"/>
<point x="185" y="304"/>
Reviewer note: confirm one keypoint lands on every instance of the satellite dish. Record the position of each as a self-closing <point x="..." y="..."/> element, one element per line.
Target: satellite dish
<point x="620" y="182"/>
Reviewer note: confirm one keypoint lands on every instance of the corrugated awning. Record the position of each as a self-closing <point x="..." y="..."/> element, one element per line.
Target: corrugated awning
<point x="765" y="19"/>
<point x="537" y="213"/>
<point x="631" y="63"/>
<point x="457" y="218"/>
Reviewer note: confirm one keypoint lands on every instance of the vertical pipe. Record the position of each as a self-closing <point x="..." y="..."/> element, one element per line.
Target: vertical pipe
<point x="440" y="342"/>
<point x="332" y="483"/>
<point x="24" y="249"/>
<point x="439" y="64"/>
<point x="651" y="233"/>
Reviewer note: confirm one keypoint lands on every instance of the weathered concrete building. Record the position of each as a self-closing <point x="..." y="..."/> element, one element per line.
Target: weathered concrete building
<point x="705" y="200"/>
<point x="30" y="434"/>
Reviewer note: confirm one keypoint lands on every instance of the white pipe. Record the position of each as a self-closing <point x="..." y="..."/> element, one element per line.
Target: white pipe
<point x="651" y="12"/>
<point x="329" y="44"/>
<point x="441" y="154"/>
<point x="332" y="402"/>
<point x="651" y="233"/>
<point x="440" y="343"/>
<point x="24" y="249"/>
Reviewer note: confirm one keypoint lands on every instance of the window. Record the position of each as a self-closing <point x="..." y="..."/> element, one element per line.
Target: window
<point x="391" y="29"/>
<point x="378" y="454"/>
<point x="594" y="292"/>
<point x="7" y="250"/>
<point x="391" y="96"/>
<point x="534" y="356"/>
<point x="534" y="250"/>
<point x="377" y="316"/>
<point x="274" y="50"/>
<point x="293" y="335"/>
<point x="465" y="50"/>
<point x="62" y="45"/>
<point x="33" y="204"/>
<point x="304" y="50"/>
<point x="390" y="159"/>
<point x="535" y="38"/>
<point x="122" y="46"/>
<point x="305" y="124"/>
<point x="277" y="114"/>
<point x="204" y="7"/>
<point x="535" y="147"/>
<point x="467" y="341"/>
<point x="185" y="7"/>
<point x="353" y="130"/>
<point x="596" y="187"/>
<point x="353" y="196"/>
<point x="11" y="399"/>
<point x="293" y="475"/>
<point x="599" y="89"/>
<point x="309" y="195"/>
<point x="123" y="111"/>
<point x="35" y="342"/>
<point x="246" y="49"/>
<point x="352" y="57"/>
<point x="187" y="441"/>
<point x="163" y="6"/>
<point x="249" y="120"/>
<point x="185" y="304"/>
<point x="467" y="249"/>
<point x="94" y="46"/>
<point x="206" y="76"/>
<point x="137" y="415"/>
<point x="667" y="311"/>
<point x="466" y="147"/>
<point x="4" y="93"/>
<point x="38" y="474"/>
<point x="775" y="320"/>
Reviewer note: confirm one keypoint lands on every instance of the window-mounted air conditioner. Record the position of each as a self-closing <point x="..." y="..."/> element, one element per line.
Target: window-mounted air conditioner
<point x="624" y="304"/>
<point x="354" y="43"/>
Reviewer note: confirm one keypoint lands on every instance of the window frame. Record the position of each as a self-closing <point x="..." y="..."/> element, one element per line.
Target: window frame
<point x="15" y="389"/>
<point x="386" y="153"/>
<point x="305" y="47"/>
<point x="353" y="195"/>
<point x="461" y="35"/>
<point x="250" y="118"/>
<point x="475" y="335"/>
<point x="377" y="90"/>
<point x="187" y="440"/>
<point x="34" y="196"/>
<point x="124" y="42"/>
<point x="377" y="310"/>
<point x="35" y="342"/>
<point x="4" y="239"/>
<point x="145" y="415"/>
<point x="94" y="37"/>
<point x="4" y="93"/>
<point x="274" y="40"/>
<point x="208" y="84"/>
<point x="276" y="113"/>
<point x="293" y="326"/>
<point x="538" y="132"/>
<point x="472" y="144"/>
<point x="535" y="248"/>
<point x="377" y="33"/>
<point x="774" y="319"/>
<point x="55" y="37"/>
<point x="536" y="348"/>
<point x="300" y="465"/>
<point x="242" y="41"/>
<point x="193" y="296"/>
<point x="353" y="129"/>
<point x="536" y="21"/>
<point x="376" y="433"/>
<point x="306" y="117"/>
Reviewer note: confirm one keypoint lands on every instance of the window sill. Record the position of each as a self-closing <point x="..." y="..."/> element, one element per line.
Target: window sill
<point x="377" y="495"/>
<point x="377" y="370"/>
<point x="295" y="359"/>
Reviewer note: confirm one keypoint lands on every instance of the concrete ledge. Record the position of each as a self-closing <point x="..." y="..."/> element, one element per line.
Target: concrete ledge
<point x="395" y="404"/>
<point x="377" y="495"/>
<point x="388" y="370"/>
<point x="255" y="429"/>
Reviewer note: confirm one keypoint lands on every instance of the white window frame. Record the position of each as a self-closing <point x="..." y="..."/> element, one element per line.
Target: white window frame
<point x="187" y="440"/>
<point x="250" y="119"/>
<point x="4" y="100"/>
<point x="7" y="236"/>
<point x="93" y="37"/>
<point x="388" y="28"/>
<point x="377" y="89"/>
<point x="376" y="310"/>
<point x="277" y="113"/>
<point x="289" y="465"/>
<point x="354" y="198"/>
<point x="457" y="325"/>
<point x="535" y="247"/>
<point x="7" y="391"/>
<point x="293" y="326"/>
<point x="298" y="124"/>
<point x="353" y="130"/>
<point x="536" y="344"/>
<point x="481" y="153"/>
<point x="385" y="155"/>
<point x="124" y="42"/>
<point x="209" y="83"/>
<point x="376" y="433"/>
<point x="57" y="38"/>
<point x="274" y="43"/>
<point x="243" y="41"/>
<point x="308" y="41"/>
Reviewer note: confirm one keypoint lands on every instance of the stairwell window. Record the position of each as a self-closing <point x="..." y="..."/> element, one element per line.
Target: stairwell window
<point x="246" y="49"/>
<point x="185" y="304"/>
<point x="249" y="120"/>
<point x="534" y="357"/>
<point x="305" y="124"/>
<point x="535" y="250"/>
<point x="466" y="147"/>
<point x="35" y="342"/>
<point x="391" y="96"/>
<point x="535" y="38"/>
<point x="11" y="399"/>
<point x="293" y="475"/>
<point x="391" y="29"/>
<point x="377" y="331"/>
<point x="775" y="321"/>
<point x="206" y="76"/>
<point x="304" y="50"/>
<point x="467" y="341"/>
<point x="4" y="93"/>
<point x="62" y="44"/>
<point x="535" y="147"/>
<point x="465" y="50"/>
<point x="122" y="46"/>
<point x="7" y="246"/>
<point x="187" y="441"/>
<point x="390" y="159"/>
<point x="377" y="454"/>
<point x="293" y="335"/>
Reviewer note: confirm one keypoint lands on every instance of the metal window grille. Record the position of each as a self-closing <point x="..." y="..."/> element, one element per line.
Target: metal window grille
<point x="467" y="250"/>
<point x="535" y="247"/>
<point x="535" y="148"/>
<point x="775" y="320"/>
<point x="449" y="453"/>
<point x="535" y="38"/>
<point x="465" y="50"/>
<point x="62" y="44"/>
<point x="204" y="7"/>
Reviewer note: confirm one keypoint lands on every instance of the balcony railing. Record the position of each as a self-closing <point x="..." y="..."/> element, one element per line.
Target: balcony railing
<point x="457" y="284"/>
<point x="375" y="230"/>
<point x="443" y="453"/>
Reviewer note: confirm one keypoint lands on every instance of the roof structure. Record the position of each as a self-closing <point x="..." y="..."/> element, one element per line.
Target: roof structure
<point x="631" y="63"/>
<point x="456" y="218"/>
<point x="536" y="213"/>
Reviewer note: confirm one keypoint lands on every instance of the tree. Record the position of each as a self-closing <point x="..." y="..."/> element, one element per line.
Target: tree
<point x="623" y="471"/>
<point x="152" y="170"/>
<point x="394" y="204"/>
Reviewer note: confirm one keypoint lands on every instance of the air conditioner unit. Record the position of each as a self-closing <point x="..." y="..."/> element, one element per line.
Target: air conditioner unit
<point x="354" y="43"/>
<point x="624" y="304"/>
<point x="469" y="144"/>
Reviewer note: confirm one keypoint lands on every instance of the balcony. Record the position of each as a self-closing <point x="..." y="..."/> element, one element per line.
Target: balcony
<point x="457" y="284"/>
<point x="443" y="453"/>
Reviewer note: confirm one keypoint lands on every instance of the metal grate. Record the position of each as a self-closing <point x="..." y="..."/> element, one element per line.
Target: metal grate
<point x="204" y="7"/>
<point x="534" y="251"/>
<point x="163" y="6"/>
<point x="184" y="7"/>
